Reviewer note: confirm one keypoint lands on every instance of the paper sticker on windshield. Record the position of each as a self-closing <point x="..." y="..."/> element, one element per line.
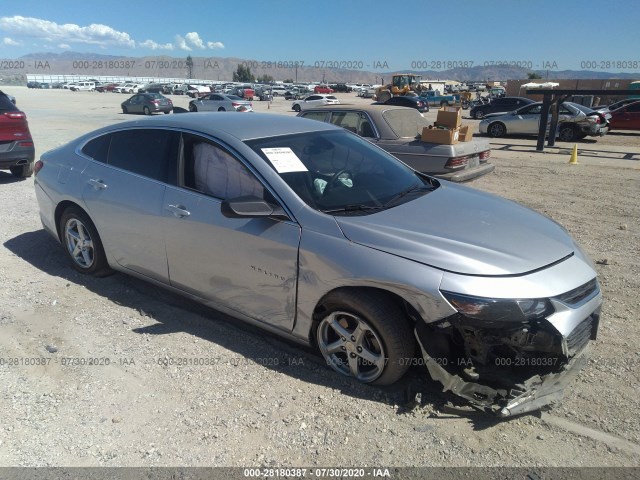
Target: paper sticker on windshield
<point x="284" y="160"/>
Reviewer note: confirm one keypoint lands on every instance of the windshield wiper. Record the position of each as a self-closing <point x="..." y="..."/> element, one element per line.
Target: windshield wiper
<point x="354" y="208"/>
<point x="404" y="193"/>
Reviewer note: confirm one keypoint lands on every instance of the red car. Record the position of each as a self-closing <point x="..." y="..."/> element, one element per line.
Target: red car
<point x="322" y="89"/>
<point x="17" y="152"/>
<point x="626" y="118"/>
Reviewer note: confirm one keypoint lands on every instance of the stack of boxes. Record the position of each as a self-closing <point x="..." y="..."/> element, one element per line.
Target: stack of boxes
<point x="448" y="128"/>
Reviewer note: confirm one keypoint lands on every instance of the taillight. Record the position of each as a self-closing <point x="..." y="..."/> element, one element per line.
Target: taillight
<point x="38" y="166"/>
<point x="457" y="162"/>
<point x="15" y="115"/>
<point x="25" y="144"/>
<point x="484" y="156"/>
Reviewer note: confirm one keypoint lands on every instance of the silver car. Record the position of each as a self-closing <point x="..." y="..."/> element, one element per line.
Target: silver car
<point x="313" y="233"/>
<point x="574" y="122"/>
<point x="220" y="102"/>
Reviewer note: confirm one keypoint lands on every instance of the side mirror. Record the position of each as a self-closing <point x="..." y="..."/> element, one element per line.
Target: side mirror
<point x="251" y="207"/>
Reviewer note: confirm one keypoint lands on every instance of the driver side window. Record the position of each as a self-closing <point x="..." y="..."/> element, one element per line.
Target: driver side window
<point x="212" y="170"/>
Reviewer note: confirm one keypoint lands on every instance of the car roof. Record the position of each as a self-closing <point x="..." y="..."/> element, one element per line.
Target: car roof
<point x="373" y="107"/>
<point x="241" y="126"/>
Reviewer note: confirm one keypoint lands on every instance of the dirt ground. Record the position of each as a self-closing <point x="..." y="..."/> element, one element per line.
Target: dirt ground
<point x="91" y="371"/>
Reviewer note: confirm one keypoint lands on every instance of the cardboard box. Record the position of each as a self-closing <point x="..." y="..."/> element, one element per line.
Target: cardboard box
<point x="437" y="135"/>
<point x="466" y="133"/>
<point x="450" y="117"/>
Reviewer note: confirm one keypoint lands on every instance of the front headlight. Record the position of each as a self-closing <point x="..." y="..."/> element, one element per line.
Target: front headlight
<point x="500" y="310"/>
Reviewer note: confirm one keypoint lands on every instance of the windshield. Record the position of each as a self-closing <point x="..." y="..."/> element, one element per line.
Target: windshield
<point x="340" y="173"/>
<point x="405" y="122"/>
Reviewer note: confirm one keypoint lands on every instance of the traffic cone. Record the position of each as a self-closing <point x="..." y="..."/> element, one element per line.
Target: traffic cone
<point x="574" y="155"/>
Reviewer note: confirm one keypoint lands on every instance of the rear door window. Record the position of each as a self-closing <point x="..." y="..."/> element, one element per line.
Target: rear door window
<point x="152" y="153"/>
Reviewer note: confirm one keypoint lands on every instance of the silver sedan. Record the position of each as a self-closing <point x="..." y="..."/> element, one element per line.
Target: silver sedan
<point x="315" y="234"/>
<point x="220" y="102"/>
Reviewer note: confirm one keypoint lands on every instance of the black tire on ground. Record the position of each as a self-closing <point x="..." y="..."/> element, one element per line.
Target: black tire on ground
<point x="567" y="133"/>
<point x="82" y="244"/>
<point x="444" y="103"/>
<point x="192" y="108"/>
<point x="22" y="171"/>
<point x="478" y="114"/>
<point x="296" y="108"/>
<point x="221" y="109"/>
<point x="497" y="130"/>
<point x="146" y="111"/>
<point x="368" y="332"/>
<point x="124" y="110"/>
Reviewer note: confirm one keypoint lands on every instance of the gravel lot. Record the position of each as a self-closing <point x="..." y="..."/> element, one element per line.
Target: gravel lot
<point x="245" y="398"/>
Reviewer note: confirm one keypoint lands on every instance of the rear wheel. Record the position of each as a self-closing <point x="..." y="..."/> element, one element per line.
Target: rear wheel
<point x="365" y="336"/>
<point x="221" y="109"/>
<point x="444" y="103"/>
<point x="478" y="114"/>
<point x="82" y="243"/>
<point x="567" y="133"/>
<point x="22" y="171"/>
<point x="296" y="108"/>
<point x="497" y="129"/>
<point x="192" y="108"/>
<point x="146" y="111"/>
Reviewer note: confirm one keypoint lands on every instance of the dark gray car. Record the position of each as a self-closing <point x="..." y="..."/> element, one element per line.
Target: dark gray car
<point x="397" y="130"/>
<point x="147" y="103"/>
<point x="315" y="234"/>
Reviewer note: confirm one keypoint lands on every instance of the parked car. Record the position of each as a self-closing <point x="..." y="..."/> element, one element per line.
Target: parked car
<point x="314" y="101"/>
<point x="434" y="98"/>
<point x="615" y="106"/>
<point x="499" y="105"/>
<point x="626" y="117"/>
<point x="220" y="102"/>
<point x="340" y="87"/>
<point x="326" y="240"/>
<point x="296" y="93"/>
<point x="106" y="87"/>
<point x="17" y="152"/>
<point x="397" y="130"/>
<point x="152" y="88"/>
<point x="83" y="87"/>
<point x="573" y="122"/>
<point x="413" y="102"/>
<point x="278" y="90"/>
<point x="195" y="91"/>
<point x="322" y="89"/>
<point x="147" y="103"/>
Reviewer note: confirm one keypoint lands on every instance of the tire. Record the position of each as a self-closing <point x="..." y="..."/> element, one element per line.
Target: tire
<point x="146" y="111"/>
<point x="444" y="103"/>
<point x="22" y="171"/>
<point x="167" y="113"/>
<point x="82" y="243"/>
<point x="478" y="114"/>
<point x="296" y="108"/>
<point x="386" y="339"/>
<point x="497" y="130"/>
<point x="192" y="108"/>
<point x="567" y="133"/>
<point x="124" y="110"/>
<point x="221" y="109"/>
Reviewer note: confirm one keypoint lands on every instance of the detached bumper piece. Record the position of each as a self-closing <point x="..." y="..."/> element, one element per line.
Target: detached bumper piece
<point x="505" y="371"/>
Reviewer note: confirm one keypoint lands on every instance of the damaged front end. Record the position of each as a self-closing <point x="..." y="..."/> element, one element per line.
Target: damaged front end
<point x="511" y="356"/>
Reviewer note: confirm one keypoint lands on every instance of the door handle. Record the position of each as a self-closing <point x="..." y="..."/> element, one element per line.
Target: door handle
<point x="97" y="184"/>
<point x="178" y="210"/>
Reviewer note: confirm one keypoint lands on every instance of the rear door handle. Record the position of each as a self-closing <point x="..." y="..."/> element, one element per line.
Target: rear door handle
<point x="97" y="184"/>
<point x="178" y="210"/>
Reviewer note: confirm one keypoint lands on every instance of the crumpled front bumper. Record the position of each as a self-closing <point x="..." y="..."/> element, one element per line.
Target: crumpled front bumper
<point x="532" y="394"/>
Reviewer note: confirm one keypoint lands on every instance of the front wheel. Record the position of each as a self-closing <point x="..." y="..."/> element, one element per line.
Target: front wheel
<point x="125" y="110"/>
<point x="192" y="108"/>
<point x="365" y="336"/>
<point x="478" y="114"/>
<point x="82" y="243"/>
<point x="296" y="108"/>
<point x="497" y="130"/>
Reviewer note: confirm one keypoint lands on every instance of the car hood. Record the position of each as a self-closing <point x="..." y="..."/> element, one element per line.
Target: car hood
<point x="462" y="230"/>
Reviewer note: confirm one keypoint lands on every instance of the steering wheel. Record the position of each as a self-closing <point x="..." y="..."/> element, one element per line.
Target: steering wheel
<point x="333" y="182"/>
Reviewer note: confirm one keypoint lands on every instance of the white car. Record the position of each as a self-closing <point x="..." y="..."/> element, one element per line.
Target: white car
<point x="83" y="86"/>
<point x="314" y="100"/>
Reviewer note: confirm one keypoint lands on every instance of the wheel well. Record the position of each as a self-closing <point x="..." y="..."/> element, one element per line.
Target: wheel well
<point x="62" y="206"/>
<point x="318" y="312"/>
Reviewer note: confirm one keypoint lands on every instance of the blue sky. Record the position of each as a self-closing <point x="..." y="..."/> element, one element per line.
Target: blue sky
<point x="371" y="35"/>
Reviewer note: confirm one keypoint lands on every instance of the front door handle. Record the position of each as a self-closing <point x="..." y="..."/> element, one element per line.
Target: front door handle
<point x="178" y="210"/>
<point x="97" y="184"/>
